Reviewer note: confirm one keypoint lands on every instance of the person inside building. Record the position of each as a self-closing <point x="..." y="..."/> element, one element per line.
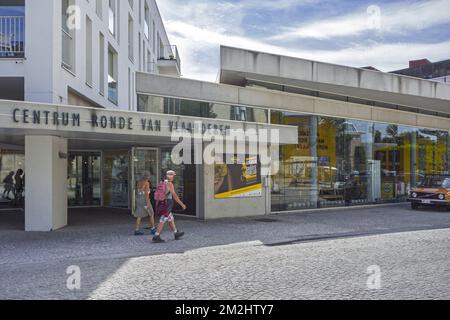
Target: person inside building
<point x="143" y="207"/>
<point x="165" y="204"/>
<point x="18" y="187"/>
<point x="8" y="185"/>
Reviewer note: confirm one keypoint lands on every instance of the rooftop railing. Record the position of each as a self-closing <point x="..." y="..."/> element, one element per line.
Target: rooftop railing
<point x="12" y="35"/>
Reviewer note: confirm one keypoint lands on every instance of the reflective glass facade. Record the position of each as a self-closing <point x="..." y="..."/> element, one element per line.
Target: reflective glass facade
<point x="337" y="162"/>
<point x="340" y="162"/>
<point x="201" y="109"/>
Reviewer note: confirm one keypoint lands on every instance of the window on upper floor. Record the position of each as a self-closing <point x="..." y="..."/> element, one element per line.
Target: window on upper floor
<point x="154" y="37"/>
<point x="99" y="8"/>
<point x="88" y="51"/>
<point x="101" y="67"/>
<point x="147" y="22"/>
<point x="68" y="36"/>
<point x="12" y="29"/>
<point x="112" y="75"/>
<point x="130" y="38"/>
<point x="112" y="17"/>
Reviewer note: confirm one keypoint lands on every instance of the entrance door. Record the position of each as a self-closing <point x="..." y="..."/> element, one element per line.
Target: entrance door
<point x="84" y="179"/>
<point x="144" y="159"/>
<point x="116" y="176"/>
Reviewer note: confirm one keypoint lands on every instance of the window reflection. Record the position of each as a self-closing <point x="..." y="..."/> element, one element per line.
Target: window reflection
<point x="201" y="109"/>
<point x="342" y="162"/>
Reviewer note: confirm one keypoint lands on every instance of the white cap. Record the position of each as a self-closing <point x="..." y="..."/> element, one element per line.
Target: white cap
<point x="171" y="173"/>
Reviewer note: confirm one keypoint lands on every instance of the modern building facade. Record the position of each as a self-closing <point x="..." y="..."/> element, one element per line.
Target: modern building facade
<point x="363" y="136"/>
<point x="79" y="52"/>
<point x="348" y="136"/>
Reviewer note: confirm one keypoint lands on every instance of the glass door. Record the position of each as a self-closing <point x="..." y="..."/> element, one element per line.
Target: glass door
<point x="144" y="159"/>
<point x="84" y="179"/>
<point x="116" y="178"/>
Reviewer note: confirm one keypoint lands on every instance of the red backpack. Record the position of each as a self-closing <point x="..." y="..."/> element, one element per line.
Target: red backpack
<point x="160" y="193"/>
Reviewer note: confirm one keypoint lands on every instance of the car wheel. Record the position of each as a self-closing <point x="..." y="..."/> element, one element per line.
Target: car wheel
<point x="415" y="206"/>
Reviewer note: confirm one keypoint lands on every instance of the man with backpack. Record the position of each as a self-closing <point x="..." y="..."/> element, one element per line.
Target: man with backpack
<point x="165" y="197"/>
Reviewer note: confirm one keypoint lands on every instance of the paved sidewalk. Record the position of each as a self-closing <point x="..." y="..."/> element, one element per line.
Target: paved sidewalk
<point x="310" y="255"/>
<point x="97" y="233"/>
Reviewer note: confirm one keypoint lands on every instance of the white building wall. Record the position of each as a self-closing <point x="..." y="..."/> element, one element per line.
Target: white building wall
<point x="45" y="78"/>
<point x="12" y="68"/>
<point x="41" y="50"/>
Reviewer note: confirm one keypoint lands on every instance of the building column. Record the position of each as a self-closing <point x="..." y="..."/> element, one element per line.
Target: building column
<point x="313" y="143"/>
<point x="45" y="183"/>
<point x="368" y="147"/>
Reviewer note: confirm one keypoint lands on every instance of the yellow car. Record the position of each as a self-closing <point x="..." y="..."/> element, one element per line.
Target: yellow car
<point x="432" y="191"/>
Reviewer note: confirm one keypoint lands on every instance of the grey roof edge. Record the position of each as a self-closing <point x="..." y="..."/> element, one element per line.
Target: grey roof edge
<point x="275" y="65"/>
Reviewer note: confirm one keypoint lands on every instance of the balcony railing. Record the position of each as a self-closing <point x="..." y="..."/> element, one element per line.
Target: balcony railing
<point x="12" y="35"/>
<point x="170" y="53"/>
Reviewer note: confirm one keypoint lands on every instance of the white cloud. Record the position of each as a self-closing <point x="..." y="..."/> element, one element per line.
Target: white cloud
<point x="394" y="18"/>
<point x="199" y="27"/>
<point x="199" y="42"/>
<point x="276" y="5"/>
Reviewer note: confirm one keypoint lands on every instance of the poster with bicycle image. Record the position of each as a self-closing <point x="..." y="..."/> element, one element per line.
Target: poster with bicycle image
<point x="239" y="178"/>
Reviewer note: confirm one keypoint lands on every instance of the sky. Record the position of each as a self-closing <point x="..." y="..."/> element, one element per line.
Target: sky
<point x="385" y="34"/>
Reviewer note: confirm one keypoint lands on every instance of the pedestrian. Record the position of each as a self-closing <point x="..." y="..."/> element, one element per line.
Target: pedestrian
<point x="143" y="207"/>
<point x="166" y="197"/>
<point x="18" y="187"/>
<point x="9" y="185"/>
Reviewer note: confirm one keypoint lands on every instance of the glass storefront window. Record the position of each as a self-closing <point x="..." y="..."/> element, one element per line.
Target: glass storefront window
<point x="294" y="187"/>
<point x="115" y="178"/>
<point x="201" y="109"/>
<point x="84" y="179"/>
<point x="343" y="154"/>
<point x="343" y="162"/>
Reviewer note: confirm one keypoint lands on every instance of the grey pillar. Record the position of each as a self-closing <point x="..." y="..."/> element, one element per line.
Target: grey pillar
<point x="46" y="183"/>
<point x="368" y="147"/>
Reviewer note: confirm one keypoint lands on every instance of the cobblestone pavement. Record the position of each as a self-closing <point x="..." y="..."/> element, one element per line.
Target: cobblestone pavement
<point x="236" y="259"/>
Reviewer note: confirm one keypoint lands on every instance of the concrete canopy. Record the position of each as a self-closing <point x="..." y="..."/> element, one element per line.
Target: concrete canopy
<point x="99" y="128"/>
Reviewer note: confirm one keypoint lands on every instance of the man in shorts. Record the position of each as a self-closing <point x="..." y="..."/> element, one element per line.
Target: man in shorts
<point x="171" y="198"/>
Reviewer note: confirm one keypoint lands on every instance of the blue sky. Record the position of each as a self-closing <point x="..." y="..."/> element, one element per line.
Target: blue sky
<point x="383" y="34"/>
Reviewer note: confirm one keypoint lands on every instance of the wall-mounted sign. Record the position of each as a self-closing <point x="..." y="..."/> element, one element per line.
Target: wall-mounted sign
<point x="103" y="120"/>
<point x="241" y="179"/>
